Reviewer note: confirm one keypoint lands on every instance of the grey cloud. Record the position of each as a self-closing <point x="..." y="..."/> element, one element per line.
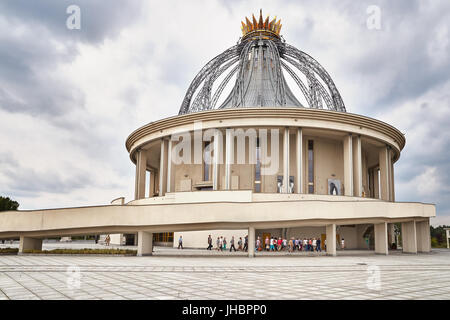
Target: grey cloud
<point x="99" y="19"/>
<point x="31" y="182"/>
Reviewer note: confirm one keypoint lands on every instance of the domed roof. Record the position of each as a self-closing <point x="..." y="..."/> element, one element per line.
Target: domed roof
<point x="258" y="63"/>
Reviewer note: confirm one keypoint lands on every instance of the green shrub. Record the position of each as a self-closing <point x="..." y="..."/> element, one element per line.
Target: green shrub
<point x="83" y="251"/>
<point x="8" y="250"/>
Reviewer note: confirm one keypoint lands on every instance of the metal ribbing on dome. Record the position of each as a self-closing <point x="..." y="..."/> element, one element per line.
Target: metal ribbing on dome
<point x="259" y="64"/>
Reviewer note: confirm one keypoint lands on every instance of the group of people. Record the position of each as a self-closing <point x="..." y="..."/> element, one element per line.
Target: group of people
<point x="221" y="243"/>
<point x="291" y="245"/>
<point x="269" y="244"/>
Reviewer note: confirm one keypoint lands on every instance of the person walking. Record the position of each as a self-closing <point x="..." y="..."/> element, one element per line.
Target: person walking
<point x="305" y="244"/>
<point x="258" y="243"/>
<point x="218" y="243"/>
<point x="310" y="244"/>
<point x="240" y="244"/>
<point x="284" y="244"/>
<point x="209" y="243"/>
<point x="279" y="244"/>
<point x="314" y="243"/>
<point x="342" y="244"/>
<point x="232" y="244"/>
<point x="267" y="244"/>
<point x="224" y="243"/>
<point x="180" y="242"/>
<point x="325" y="244"/>
<point x="319" y="249"/>
<point x="107" y="240"/>
<point x="221" y="243"/>
<point x="246" y="243"/>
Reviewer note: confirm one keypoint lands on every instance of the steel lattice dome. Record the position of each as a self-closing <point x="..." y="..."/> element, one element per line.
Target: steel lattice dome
<point x="259" y="62"/>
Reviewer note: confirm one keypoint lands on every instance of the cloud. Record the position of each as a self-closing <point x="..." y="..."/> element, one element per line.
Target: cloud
<point x="69" y="98"/>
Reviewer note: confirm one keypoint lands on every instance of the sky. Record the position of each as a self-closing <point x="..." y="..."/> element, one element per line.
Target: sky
<point x="69" y="98"/>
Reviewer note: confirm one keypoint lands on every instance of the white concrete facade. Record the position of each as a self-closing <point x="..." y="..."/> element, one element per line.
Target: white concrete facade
<point x="333" y="179"/>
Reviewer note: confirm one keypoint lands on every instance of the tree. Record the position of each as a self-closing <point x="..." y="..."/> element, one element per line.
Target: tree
<point x="438" y="236"/>
<point x="8" y="204"/>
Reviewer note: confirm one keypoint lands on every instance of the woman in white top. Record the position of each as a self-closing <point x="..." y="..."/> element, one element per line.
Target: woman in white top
<point x="314" y="243"/>
<point x="342" y="244"/>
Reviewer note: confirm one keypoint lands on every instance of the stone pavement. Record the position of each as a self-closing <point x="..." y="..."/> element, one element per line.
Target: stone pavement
<point x="351" y="275"/>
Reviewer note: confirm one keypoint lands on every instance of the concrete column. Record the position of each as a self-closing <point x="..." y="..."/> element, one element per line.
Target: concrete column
<point x="423" y="236"/>
<point x="217" y="145"/>
<point x="391" y="234"/>
<point x="251" y="242"/>
<point x="376" y="184"/>
<point x="348" y="165"/>
<point x="286" y="160"/>
<point x="392" y="181"/>
<point x="357" y="167"/>
<point x="169" y="165"/>
<point x="331" y="239"/>
<point x="229" y="154"/>
<point x="151" y="184"/>
<point x="381" y="238"/>
<point x="161" y="168"/>
<point x="145" y="243"/>
<point x="299" y="159"/>
<point x="409" y="240"/>
<point x="156" y="181"/>
<point x="141" y="169"/>
<point x="27" y="243"/>
<point x="384" y="173"/>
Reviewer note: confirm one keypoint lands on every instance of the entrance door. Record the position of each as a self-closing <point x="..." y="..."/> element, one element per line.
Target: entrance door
<point x="323" y="236"/>
<point x="263" y="240"/>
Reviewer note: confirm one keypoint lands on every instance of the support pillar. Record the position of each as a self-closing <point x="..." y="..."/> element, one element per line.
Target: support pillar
<point x="286" y="160"/>
<point x="392" y="181"/>
<point x="331" y="239"/>
<point x="423" y="236"/>
<point x="357" y="167"/>
<point x="216" y="158"/>
<point x="141" y="169"/>
<point x="381" y="238"/>
<point x="348" y="165"/>
<point x="169" y="165"/>
<point x="376" y="184"/>
<point x="151" y="184"/>
<point x="409" y="240"/>
<point x="229" y="156"/>
<point x="145" y="243"/>
<point x="299" y="159"/>
<point x="251" y="242"/>
<point x="27" y="243"/>
<point x="161" y="168"/>
<point x="384" y="156"/>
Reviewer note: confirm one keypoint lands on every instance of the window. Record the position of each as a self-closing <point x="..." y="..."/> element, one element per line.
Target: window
<point x="207" y="161"/>
<point x="310" y="166"/>
<point x="258" y="167"/>
<point x="163" y="237"/>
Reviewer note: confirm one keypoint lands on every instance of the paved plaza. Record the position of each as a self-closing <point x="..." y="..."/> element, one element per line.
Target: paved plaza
<point x="351" y="275"/>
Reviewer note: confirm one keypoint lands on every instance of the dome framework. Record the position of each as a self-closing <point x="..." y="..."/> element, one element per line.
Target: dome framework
<point x="260" y="61"/>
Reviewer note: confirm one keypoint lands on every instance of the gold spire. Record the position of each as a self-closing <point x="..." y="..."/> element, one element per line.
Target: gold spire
<point x="261" y="26"/>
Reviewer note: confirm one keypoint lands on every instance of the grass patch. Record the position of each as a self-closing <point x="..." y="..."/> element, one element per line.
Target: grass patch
<point x="84" y="251"/>
<point x="8" y="250"/>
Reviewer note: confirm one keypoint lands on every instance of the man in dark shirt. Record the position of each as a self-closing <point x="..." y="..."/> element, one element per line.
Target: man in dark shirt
<point x="209" y="243"/>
